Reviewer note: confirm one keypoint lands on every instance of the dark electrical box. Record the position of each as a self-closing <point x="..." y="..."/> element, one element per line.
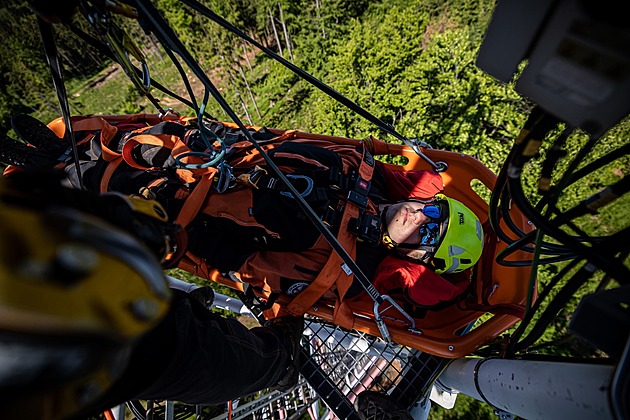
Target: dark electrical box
<point x="575" y="56"/>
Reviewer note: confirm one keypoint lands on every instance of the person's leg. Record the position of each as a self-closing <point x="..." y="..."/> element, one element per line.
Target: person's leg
<point x="198" y="357"/>
<point x="217" y="359"/>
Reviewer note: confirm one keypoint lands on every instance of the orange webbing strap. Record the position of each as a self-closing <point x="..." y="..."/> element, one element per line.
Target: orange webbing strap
<point x="332" y="272"/>
<point x="168" y="141"/>
<point x="205" y="176"/>
<point x="251" y="156"/>
<point x="197" y="266"/>
<point x="107" y="133"/>
<point x="197" y="198"/>
<point x="343" y="314"/>
<point x="108" y="173"/>
<point x="78" y="124"/>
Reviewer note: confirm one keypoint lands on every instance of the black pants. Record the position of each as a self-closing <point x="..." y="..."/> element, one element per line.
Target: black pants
<point x="198" y="357"/>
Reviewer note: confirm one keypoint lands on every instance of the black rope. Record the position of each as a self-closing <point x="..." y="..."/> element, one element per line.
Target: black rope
<point x="536" y="127"/>
<point x="476" y="381"/>
<point x="554" y="154"/>
<point x="610" y="265"/>
<point x="599" y="163"/>
<point x="549" y="248"/>
<point x="599" y="255"/>
<point x="50" y="48"/>
<point x="500" y="192"/>
<point x="555" y="305"/>
<point x="388" y="128"/>
<point x="525" y="147"/>
<point x="502" y="256"/>
<point x="591" y="204"/>
<point x="104" y="49"/>
<point x="153" y="21"/>
<point x="520" y="330"/>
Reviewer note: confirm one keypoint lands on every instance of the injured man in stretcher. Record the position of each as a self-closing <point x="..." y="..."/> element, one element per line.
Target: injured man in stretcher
<point x="410" y="238"/>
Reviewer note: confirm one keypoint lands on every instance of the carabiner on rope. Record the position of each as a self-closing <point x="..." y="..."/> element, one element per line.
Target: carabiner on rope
<point x="380" y="323"/>
<point x="166" y="112"/>
<point x="226" y="177"/>
<point x="417" y="145"/>
<point x="122" y="46"/>
<point x="307" y="190"/>
<point x="213" y="157"/>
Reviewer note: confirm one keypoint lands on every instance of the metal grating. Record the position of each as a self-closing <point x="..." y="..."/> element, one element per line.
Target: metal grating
<point x="336" y="366"/>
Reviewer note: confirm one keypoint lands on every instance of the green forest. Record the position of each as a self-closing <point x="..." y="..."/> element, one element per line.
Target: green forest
<point x="411" y="63"/>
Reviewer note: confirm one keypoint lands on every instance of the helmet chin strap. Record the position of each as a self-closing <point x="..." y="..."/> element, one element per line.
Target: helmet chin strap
<point x="385" y="238"/>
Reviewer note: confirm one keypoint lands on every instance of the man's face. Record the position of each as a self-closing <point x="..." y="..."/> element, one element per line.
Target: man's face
<point x="403" y="224"/>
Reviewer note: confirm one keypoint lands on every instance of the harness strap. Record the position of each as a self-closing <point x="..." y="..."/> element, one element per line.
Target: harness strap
<point x="193" y="203"/>
<point x="169" y="139"/>
<point x="331" y="178"/>
<point x="330" y="273"/>
<point x="333" y="271"/>
<point x="195" y="200"/>
<point x="109" y="172"/>
<point x="357" y="202"/>
<point x="106" y="133"/>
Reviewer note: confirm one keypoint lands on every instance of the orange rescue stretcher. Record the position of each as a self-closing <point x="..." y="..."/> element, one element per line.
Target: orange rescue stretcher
<point x="497" y="290"/>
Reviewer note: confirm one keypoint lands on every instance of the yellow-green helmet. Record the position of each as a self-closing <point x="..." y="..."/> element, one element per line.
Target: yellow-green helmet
<point x="461" y="241"/>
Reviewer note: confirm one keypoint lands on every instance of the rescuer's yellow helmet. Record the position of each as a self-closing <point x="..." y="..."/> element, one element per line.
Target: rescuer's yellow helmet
<point x="75" y="292"/>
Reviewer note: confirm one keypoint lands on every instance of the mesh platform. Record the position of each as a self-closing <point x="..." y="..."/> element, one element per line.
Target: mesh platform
<point x="336" y="366"/>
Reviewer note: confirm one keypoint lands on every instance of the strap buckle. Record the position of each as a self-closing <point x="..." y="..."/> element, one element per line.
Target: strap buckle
<point x="359" y="194"/>
<point x="252" y="177"/>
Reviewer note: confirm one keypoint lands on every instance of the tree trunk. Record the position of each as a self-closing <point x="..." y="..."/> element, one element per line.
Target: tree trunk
<point x="246" y="113"/>
<point x="68" y="61"/>
<point x="319" y="18"/>
<point x="234" y="83"/>
<point x="156" y="49"/>
<point x="251" y="95"/>
<point x="275" y="32"/>
<point x="249" y="64"/>
<point x="286" y="34"/>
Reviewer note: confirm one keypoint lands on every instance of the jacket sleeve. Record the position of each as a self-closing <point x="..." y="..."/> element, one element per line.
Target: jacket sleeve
<point x="420" y="184"/>
<point x="419" y="284"/>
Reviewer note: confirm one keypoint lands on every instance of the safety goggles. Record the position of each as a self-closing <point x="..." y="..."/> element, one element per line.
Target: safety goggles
<point x="431" y="211"/>
<point x="429" y="233"/>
